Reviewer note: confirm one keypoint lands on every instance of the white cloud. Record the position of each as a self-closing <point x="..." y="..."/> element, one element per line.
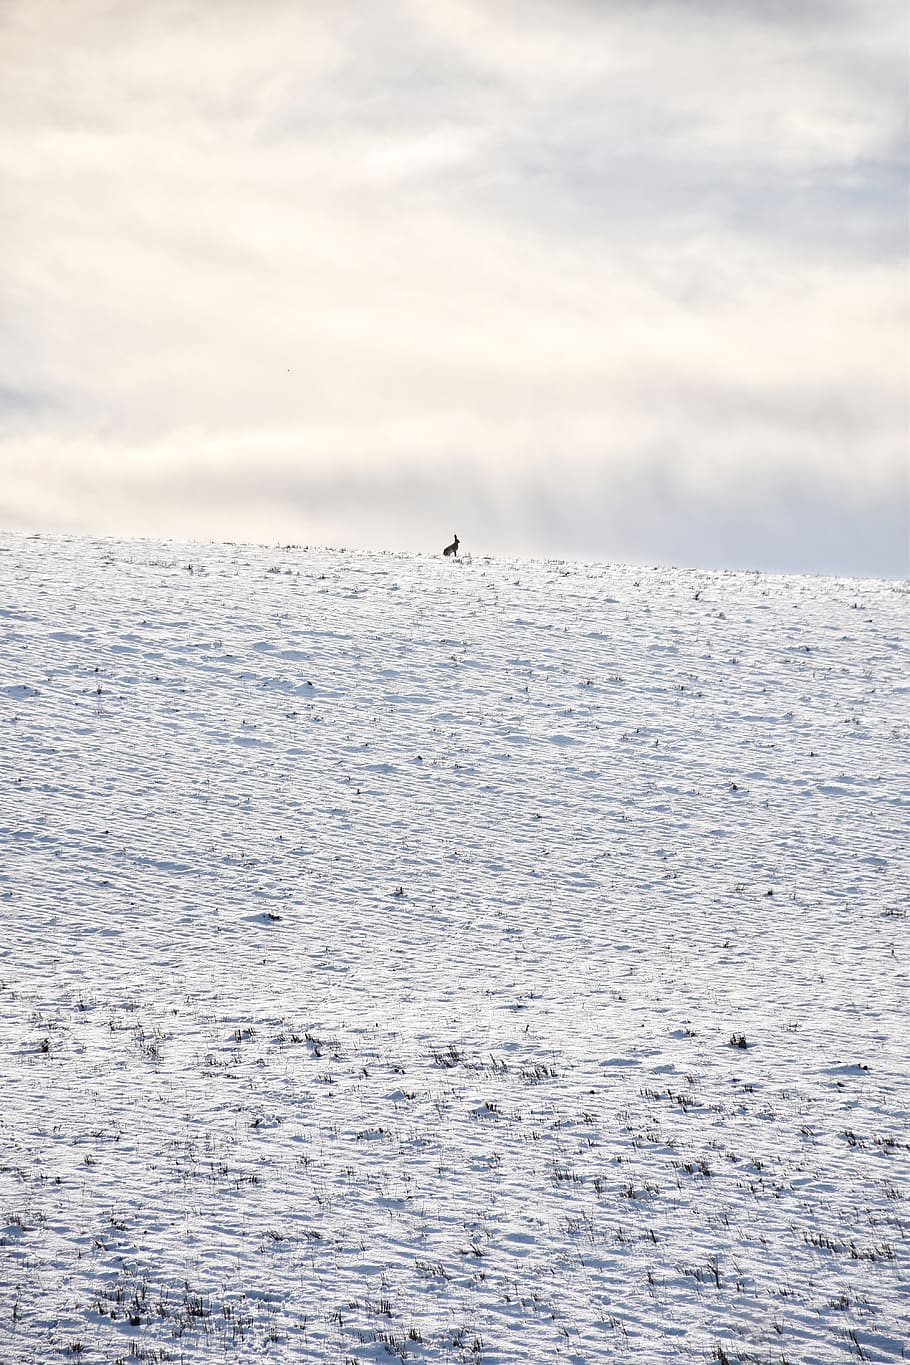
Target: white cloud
<point x="277" y="269"/>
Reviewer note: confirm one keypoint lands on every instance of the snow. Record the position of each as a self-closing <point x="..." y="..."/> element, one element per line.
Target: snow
<point x="486" y="961"/>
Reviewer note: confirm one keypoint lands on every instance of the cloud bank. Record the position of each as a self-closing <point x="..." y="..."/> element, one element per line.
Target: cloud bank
<point x="606" y="280"/>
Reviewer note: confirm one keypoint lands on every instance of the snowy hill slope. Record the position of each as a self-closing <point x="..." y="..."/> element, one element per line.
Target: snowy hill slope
<point x="490" y="961"/>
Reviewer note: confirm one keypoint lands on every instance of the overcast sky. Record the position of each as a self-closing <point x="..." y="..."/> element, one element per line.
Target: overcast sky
<point x="610" y="279"/>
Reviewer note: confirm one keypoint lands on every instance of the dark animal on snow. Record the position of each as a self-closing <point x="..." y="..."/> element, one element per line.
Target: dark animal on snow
<point x="451" y="549"/>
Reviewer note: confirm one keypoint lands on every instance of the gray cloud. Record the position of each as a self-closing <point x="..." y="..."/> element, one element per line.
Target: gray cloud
<point x="746" y="513"/>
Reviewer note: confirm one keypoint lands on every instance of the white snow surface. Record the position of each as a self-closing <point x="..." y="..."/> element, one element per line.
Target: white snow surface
<point x="488" y="961"/>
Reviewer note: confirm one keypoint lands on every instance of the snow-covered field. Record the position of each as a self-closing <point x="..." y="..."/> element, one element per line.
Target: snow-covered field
<point x="494" y="961"/>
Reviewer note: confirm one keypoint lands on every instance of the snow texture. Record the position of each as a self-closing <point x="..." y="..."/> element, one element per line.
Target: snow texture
<point x="486" y="961"/>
